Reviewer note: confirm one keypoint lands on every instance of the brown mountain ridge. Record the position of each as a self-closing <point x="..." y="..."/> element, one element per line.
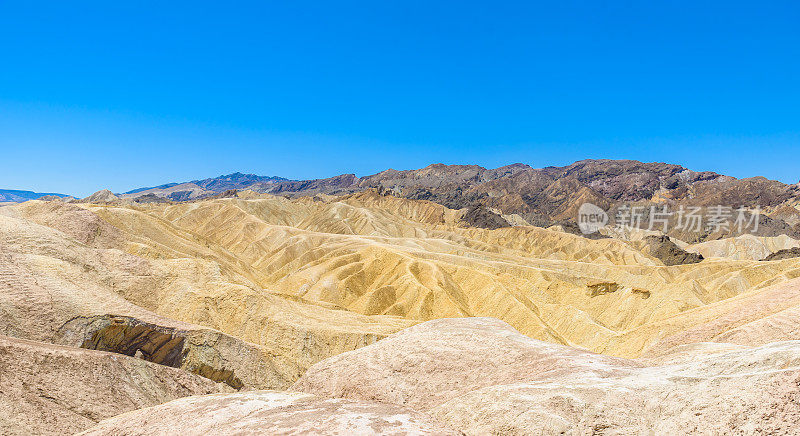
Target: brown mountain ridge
<point x="543" y="197"/>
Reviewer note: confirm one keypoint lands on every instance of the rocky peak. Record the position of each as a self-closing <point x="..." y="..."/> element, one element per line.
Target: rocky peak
<point x="101" y="196"/>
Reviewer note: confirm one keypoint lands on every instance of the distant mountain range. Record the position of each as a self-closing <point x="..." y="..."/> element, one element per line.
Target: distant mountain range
<point x="538" y="196"/>
<point x="518" y="193"/>
<point x="16" y="196"/>
<point x="218" y="184"/>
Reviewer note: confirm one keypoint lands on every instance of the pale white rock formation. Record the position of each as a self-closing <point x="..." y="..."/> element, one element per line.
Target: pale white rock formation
<point x="270" y="413"/>
<point x="480" y="376"/>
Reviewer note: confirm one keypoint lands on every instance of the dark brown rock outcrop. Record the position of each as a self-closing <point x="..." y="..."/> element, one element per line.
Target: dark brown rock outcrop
<point x="663" y="249"/>
<point x="164" y="345"/>
<point x="127" y="336"/>
<point x="783" y="254"/>
<point x="480" y="216"/>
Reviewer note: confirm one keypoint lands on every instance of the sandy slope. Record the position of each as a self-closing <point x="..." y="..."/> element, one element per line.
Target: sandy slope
<point x="50" y="389"/>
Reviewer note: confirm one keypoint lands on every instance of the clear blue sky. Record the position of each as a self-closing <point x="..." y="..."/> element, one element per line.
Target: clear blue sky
<point x="128" y="94"/>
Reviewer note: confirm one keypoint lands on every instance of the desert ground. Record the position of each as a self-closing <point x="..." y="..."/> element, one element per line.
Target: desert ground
<point x="372" y="311"/>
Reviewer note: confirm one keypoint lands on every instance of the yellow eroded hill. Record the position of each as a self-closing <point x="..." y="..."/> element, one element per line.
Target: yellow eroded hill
<point x="368" y="261"/>
<point x="70" y="278"/>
